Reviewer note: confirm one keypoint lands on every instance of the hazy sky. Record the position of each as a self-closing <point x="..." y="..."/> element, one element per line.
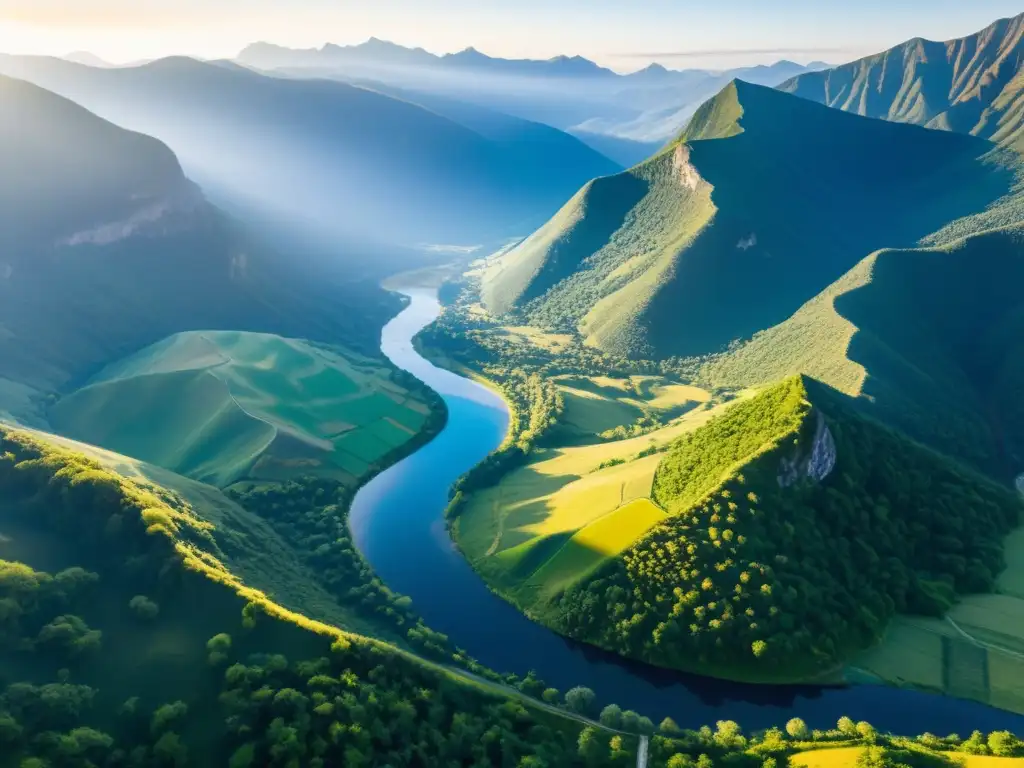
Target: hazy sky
<point x="623" y="34"/>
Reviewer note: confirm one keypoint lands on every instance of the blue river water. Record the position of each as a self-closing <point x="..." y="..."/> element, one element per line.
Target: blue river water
<point x="398" y="524"/>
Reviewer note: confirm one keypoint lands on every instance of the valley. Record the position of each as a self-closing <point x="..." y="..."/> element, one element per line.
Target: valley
<point x="372" y="407"/>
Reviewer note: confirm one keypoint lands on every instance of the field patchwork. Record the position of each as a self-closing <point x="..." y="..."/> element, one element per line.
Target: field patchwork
<point x="547" y="525"/>
<point x="221" y="406"/>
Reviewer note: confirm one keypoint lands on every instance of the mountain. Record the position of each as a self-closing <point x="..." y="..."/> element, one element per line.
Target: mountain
<point x="781" y="553"/>
<point x="927" y="339"/>
<point x="376" y="53"/>
<point x="570" y="93"/>
<point x="763" y="201"/>
<point x="970" y="85"/>
<point x="325" y="157"/>
<point x="106" y="246"/>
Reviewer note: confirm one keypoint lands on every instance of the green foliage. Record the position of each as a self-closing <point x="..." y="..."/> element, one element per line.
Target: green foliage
<point x="726" y="232"/>
<point x="759" y="548"/>
<point x="144" y="608"/>
<point x="580" y="699"/>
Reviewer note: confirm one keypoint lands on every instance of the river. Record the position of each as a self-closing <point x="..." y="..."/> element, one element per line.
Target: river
<point x="398" y="524"/>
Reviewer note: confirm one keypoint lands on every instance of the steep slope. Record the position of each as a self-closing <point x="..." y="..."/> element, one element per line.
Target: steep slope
<point x="763" y="201"/>
<point x="342" y="160"/>
<point x="929" y="339"/>
<point x="969" y="85"/>
<point x="106" y="247"/>
<point x="795" y="531"/>
<point x="223" y="406"/>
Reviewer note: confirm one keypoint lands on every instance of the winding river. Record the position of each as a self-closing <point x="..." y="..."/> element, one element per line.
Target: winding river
<point x="398" y="524"/>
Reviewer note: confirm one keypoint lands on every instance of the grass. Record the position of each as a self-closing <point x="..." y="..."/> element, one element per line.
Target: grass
<point x="225" y="406"/>
<point x="550" y="523"/>
<point x="597" y="404"/>
<point x="914" y="333"/>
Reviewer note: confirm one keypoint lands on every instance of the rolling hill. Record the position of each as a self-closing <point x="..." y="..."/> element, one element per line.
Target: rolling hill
<point x="764" y="200"/>
<point x="973" y="85"/>
<point x="224" y="406"/>
<point x="328" y="158"/>
<point x="106" y="247"/>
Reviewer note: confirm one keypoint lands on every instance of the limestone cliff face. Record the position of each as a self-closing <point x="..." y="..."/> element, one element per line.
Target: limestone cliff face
<point x="814" y="464"/>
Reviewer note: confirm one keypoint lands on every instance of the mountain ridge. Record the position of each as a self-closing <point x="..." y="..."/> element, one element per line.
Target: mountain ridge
<point x="692" y="245"/>
<point x="973" y="84"/>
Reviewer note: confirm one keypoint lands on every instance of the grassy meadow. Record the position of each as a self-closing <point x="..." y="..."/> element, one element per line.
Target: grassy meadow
<point x="220" y="407"/>
<point x="547" y="525"/>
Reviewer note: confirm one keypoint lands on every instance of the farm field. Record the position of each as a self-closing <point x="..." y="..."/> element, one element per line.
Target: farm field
<point x="841" y="757"/>
<point x="225" y="406"/>
<point x="596" y="406"/>
<point x="547" y="525"/>
<point x="976" y="652"/>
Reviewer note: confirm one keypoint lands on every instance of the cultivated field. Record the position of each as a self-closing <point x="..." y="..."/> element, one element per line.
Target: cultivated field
<point x="547" y="525"/>
<point x="224" y="406"/>
<point x="976" y="652"/>
<point x="844" y="757"/>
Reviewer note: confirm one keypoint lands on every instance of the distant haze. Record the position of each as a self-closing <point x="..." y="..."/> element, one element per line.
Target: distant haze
<point x="623" y="36"/>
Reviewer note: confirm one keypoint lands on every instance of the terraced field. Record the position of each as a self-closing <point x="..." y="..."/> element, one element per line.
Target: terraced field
<point x="224" y="406"/>
<point x="547" y="525"/>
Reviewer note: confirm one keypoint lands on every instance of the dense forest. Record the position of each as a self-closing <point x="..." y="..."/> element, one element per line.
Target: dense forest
<point x="147" y="653"/>
<point x="774" y="565"/>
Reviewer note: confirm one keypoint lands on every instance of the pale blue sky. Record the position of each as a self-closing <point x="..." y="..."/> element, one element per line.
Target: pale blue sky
<point x="623" y="34"/>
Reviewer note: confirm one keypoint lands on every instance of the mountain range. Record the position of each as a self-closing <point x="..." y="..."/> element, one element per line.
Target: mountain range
<point x="973" y="84"/>
<point x="332" y="159"/>
<point x="627" y="117"/>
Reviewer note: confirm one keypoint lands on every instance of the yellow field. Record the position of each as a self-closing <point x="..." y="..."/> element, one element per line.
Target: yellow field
<point x="525" y="334"/>
<point x="596" y="404"/>
<point x="840" y="757"/>
<point x="976" y="652"/>
<point x="551" y="522"/>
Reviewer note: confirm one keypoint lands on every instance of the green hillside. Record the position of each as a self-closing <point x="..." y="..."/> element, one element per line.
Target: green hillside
<point x="106" y="247"/>
<point x="131" y="633"/>
<point x="764" y="201"/>
<point x="929" y="339"/>
<point x="224" y="406"/>
<point x="796" y="530"/>
<point x="969" y="85"/>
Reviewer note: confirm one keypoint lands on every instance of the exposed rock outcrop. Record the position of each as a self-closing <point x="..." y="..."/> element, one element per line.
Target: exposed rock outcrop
<point x="814" y="465"/>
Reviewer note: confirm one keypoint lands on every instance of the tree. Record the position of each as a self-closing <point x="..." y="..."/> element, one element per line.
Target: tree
<point x="668" y="727"/>
<point x="551" y="696"/>
<point x="167" y="716"/>
<point x="169" y="749"/>
<point x="611" y="716"/>
<point x="580" y="700"/>
<point x="679" y="760"/>
<point x="589" y="746"/>
<point x="847" y="727"/>
<point x="797" y="729"/>
<point x="866" y="731"/>
<point x="1003" y="743"/>
<point x="759" y="648"/>
<point x="218" y="646"/>
<point x="243" y="757"/>
<point x="144" y="608"/>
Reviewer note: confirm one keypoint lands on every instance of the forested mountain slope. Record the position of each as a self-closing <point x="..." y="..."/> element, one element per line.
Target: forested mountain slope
<point x="763" y="201"/>
<point x="930" y="339"/>
<point x="326" y="156"/>
<point x="969" y="85"/>
<point x="135" y="630"/>
<point x="796" y="530"/>
<point x="105" y="247"/>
